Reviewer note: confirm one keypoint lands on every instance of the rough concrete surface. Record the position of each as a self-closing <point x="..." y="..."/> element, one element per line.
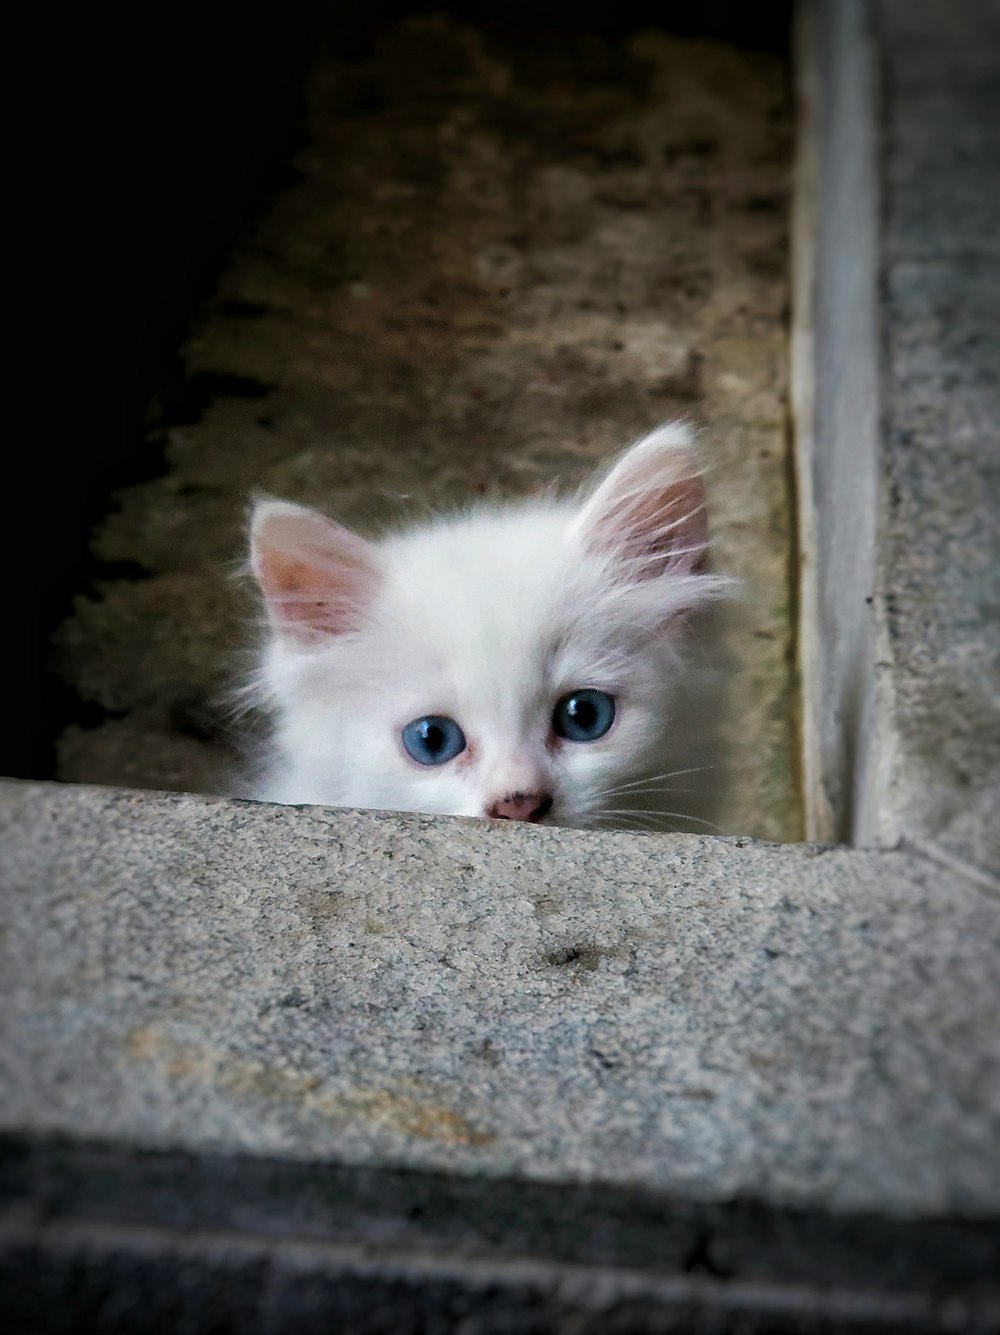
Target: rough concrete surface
<point x="941" y="509"/>
<point x="709" y="1018"/>
<point x="494" y="264"/>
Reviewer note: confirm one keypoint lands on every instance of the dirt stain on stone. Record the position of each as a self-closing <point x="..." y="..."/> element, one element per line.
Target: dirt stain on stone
<point x="585" y="957"/>
<point x="406" y="1111"/>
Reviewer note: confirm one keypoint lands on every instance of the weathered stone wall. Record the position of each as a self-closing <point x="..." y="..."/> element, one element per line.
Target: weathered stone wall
<point x="939" y="594"/>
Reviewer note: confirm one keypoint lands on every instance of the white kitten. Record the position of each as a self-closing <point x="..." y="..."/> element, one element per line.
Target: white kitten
<point x="516" y="662"/>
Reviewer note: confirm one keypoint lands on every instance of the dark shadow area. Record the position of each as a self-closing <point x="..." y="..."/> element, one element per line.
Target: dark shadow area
<point x="213" y="1231"/>
<point x="200" y="110"/>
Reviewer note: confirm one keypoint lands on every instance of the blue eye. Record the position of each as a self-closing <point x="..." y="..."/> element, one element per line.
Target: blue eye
<point x="432" y="740"/>
<point x="583" y="716"/>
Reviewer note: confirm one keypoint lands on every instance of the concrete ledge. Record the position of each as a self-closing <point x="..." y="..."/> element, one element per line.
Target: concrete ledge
<point x="711" y="1018"/>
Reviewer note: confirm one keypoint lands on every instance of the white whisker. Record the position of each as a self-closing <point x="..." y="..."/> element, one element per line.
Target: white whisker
<point x="641" y="792"/>
<point x="635" y="814"/>
<point x="654" y="778"/>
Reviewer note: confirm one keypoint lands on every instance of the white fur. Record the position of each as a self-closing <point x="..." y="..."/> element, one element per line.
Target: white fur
<point x="489" y="617"/>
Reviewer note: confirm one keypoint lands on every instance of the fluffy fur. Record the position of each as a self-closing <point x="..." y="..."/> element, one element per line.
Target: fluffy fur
<point x="487" y="617"/>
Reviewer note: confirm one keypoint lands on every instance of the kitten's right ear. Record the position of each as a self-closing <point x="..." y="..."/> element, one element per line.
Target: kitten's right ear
<point x="317" y="577"/>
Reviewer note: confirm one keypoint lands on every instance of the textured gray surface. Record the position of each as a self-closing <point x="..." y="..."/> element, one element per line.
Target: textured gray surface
<point x="706" y="1017"/>
<point x="941" y="517"/>
<point x="897" y="401"/>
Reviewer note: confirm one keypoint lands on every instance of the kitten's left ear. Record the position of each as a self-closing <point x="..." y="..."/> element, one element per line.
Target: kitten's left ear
<point x="650" y="509"/>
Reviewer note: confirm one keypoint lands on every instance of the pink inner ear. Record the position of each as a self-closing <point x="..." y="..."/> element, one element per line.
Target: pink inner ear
<point x="664" y="528"/>
<point x="649" y="511"/>
<point x="317" y="578"/>
<point x="652" y="525"/>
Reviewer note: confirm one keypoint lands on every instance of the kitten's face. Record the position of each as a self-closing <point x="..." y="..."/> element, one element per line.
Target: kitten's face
<point x="512" y="663"/>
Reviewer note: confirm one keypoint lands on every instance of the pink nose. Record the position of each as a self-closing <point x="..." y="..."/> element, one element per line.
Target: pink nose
<point x="520" y="806"/>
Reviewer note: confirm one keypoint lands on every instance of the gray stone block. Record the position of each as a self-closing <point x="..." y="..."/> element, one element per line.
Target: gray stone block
<point x="943" y="99"/>
<point x="942" y="553"/>
<point x="897" y="400"/>
<point x="279" y="1068"/>
<point x="710" y="1018"/>
<point x="940" y="524"/>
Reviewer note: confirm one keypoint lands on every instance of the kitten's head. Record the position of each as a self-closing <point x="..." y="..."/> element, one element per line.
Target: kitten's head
<point x="512" y="662"/>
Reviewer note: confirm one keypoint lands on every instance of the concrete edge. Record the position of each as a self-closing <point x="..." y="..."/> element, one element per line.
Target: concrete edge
<point x="835" y="417"/>
<point x="818" y="816"/>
